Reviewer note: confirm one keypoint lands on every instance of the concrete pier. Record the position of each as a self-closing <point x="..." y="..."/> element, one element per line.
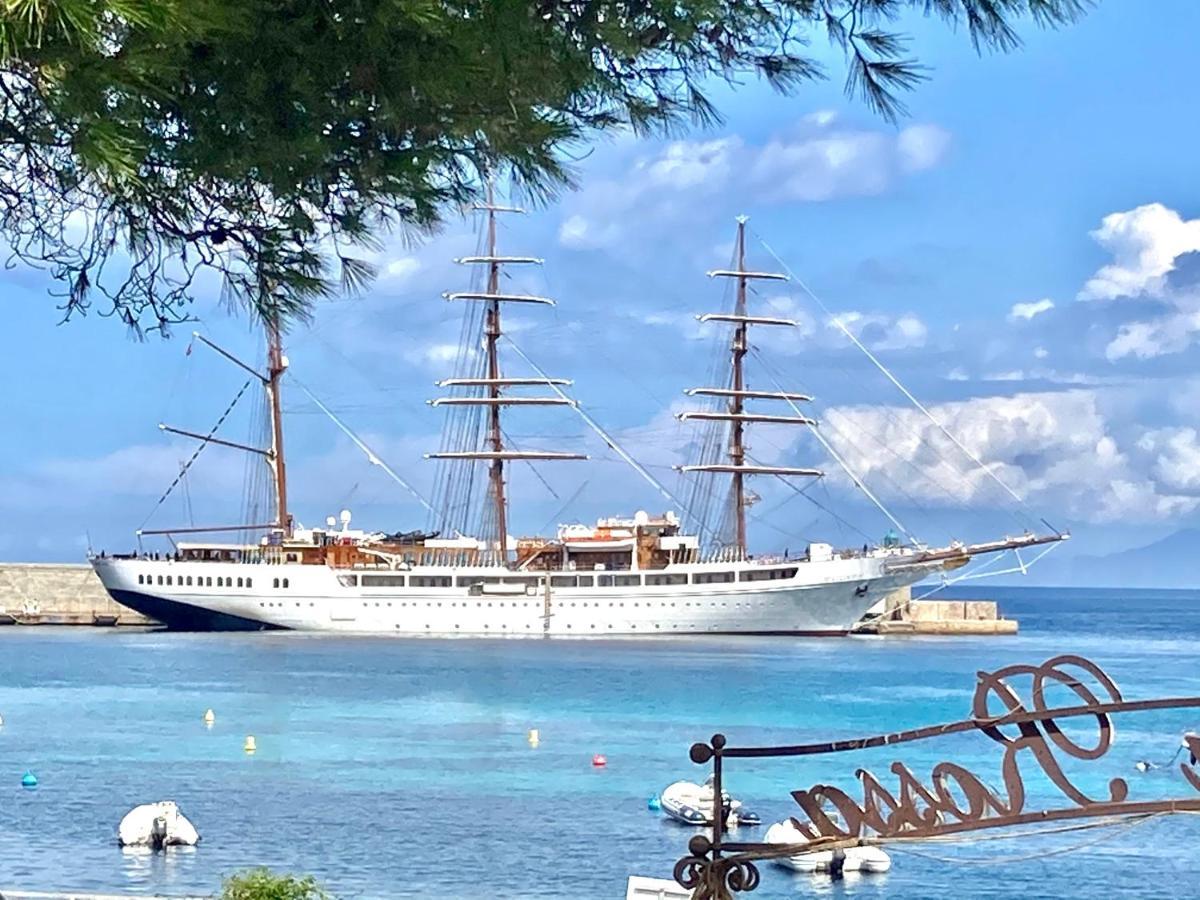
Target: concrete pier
<point x="898" y="613"/>
<point x="59" y="594"/>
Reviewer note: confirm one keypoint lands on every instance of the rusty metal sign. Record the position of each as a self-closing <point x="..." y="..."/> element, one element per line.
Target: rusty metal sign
<point x="952" y="799"/>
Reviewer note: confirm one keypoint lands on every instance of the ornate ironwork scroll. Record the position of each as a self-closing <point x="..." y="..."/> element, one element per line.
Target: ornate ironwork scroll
<point x="953" y="800"/>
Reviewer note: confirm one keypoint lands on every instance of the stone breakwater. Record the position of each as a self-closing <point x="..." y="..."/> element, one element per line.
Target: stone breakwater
<point x="59" y="594"/>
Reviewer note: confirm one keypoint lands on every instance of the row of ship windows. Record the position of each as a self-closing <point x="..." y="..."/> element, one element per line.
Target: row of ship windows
<point x="206" y="581"/>
<point x="568" y="581"/>
<point x="662" y="604"/>
<point x="444" y="581"/>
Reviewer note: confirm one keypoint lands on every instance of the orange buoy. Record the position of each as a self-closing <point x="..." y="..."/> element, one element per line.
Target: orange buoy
<point x="599" y="761"/>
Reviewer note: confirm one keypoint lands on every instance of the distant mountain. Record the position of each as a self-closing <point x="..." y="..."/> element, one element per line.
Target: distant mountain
<point x="1172" y="562"/>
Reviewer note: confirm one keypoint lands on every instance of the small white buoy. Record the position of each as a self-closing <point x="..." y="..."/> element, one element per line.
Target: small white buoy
<point x="250" y="746"/>
<point x="534" y="738"/>
<point x="1" y="721"/>
<point x="209" y="717"/>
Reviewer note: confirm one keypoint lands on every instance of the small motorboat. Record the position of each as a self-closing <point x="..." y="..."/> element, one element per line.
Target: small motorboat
<point x="853" y="859"/>
<point x="692" y="804"/>
<point x="157" y="825"/>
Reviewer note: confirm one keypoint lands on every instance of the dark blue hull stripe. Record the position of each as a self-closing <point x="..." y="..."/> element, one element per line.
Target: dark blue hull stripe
<point x="180" y="616"/>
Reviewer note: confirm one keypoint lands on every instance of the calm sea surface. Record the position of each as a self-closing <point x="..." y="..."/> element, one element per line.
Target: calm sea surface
<point x="398" y="768"/>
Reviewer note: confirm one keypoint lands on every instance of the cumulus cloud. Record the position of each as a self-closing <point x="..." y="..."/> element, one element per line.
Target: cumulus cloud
<point x="1154" y="252"/>
<point x="1026" y="311"/>
<point x="882" y="331"/>
<point x="1144" y="242"/>
<point x="818" y="159"/>
<point x="1176" y="455"/>
<point x="1057" y="450"/>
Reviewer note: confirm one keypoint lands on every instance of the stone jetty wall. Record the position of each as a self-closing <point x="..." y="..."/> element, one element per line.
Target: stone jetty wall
<point x="59" y="594"/>
<point x="898" y="613"/>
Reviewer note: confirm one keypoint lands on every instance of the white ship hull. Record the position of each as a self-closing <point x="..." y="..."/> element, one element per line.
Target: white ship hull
<point x="790" y="597"/>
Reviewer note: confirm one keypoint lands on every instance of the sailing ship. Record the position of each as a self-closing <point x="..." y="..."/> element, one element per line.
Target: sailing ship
<point x="624" y="576"/>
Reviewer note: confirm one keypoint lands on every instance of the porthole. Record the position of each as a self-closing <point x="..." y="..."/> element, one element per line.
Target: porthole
<point x="285" y="582"/>
<point x="274" y="583"/>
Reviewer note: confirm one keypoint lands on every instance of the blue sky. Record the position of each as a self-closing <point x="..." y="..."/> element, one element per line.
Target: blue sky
<point x="1020" y="251"/>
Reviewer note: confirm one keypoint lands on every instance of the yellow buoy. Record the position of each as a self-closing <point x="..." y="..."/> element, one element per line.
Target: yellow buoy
<point x="250" y="746"/>
<point x="534" y="739"/>
<point x="209" y="717"/>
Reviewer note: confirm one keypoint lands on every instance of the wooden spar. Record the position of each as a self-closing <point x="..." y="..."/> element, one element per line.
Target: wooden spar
<point x="142" y="532"/>
<point x="745" y="417"/>
<point x="737" y="450"/>
<point x="502" y="382"/>
<point x="741" y="273"/>
<point x="753" y="470"/>
<point x="504" y="454"/>
<point x="745" y="320"/>
<point x="276" y="366"/>
<point x="500" y="401"/>
<point x="750" y="395"/>
<point x="229" y="356"/>
<point x="504" y="260"/>
<point x="495" y="297"/>
<point x="209" y="439"/>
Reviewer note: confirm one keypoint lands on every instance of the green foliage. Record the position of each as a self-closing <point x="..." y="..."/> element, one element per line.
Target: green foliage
<point x="262" y="884"/>
<point x="146" y="142"/>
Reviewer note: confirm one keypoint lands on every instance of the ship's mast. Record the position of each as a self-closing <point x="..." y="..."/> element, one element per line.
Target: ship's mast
<point x="494" y="384"/>
<point x="276" y="366"/>
<point x="738" y="348"/>
<point x="491" y="336"/>
<point x="737" y="393"/>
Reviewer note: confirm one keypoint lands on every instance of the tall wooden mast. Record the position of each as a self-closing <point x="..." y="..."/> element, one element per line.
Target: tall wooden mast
<point x="737" y="393"/>
<point x="493" y="386"/>
<point x="491" y="334"/>
<point x="738" y="348"/>
<point x="276" y="366"/>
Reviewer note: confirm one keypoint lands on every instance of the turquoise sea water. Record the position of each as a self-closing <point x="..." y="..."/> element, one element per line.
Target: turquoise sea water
<point x="397" y="768"/>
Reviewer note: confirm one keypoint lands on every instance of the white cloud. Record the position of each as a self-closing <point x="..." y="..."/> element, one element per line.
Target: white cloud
<point x="400" y="269"/>
<point x="1058" y="450"/>
<point x="1157" y="337"/>
<point x="817" y="159"/>
<point x="1026" y="311"/>
<point x="922" y="147"/>
<point x="439" y="356"/>
<point x="1144" y="242"/>
<point x="880" y="331"/>
<point x="1176" y="454"/>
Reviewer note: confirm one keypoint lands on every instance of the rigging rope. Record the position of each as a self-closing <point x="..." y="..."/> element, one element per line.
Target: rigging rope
<point x="892" y="378"/>
<point x="604" y="436"/>
<point x="358" y="442"/>
<point x="858" y="482"/>
<point x="203" y="443"/>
